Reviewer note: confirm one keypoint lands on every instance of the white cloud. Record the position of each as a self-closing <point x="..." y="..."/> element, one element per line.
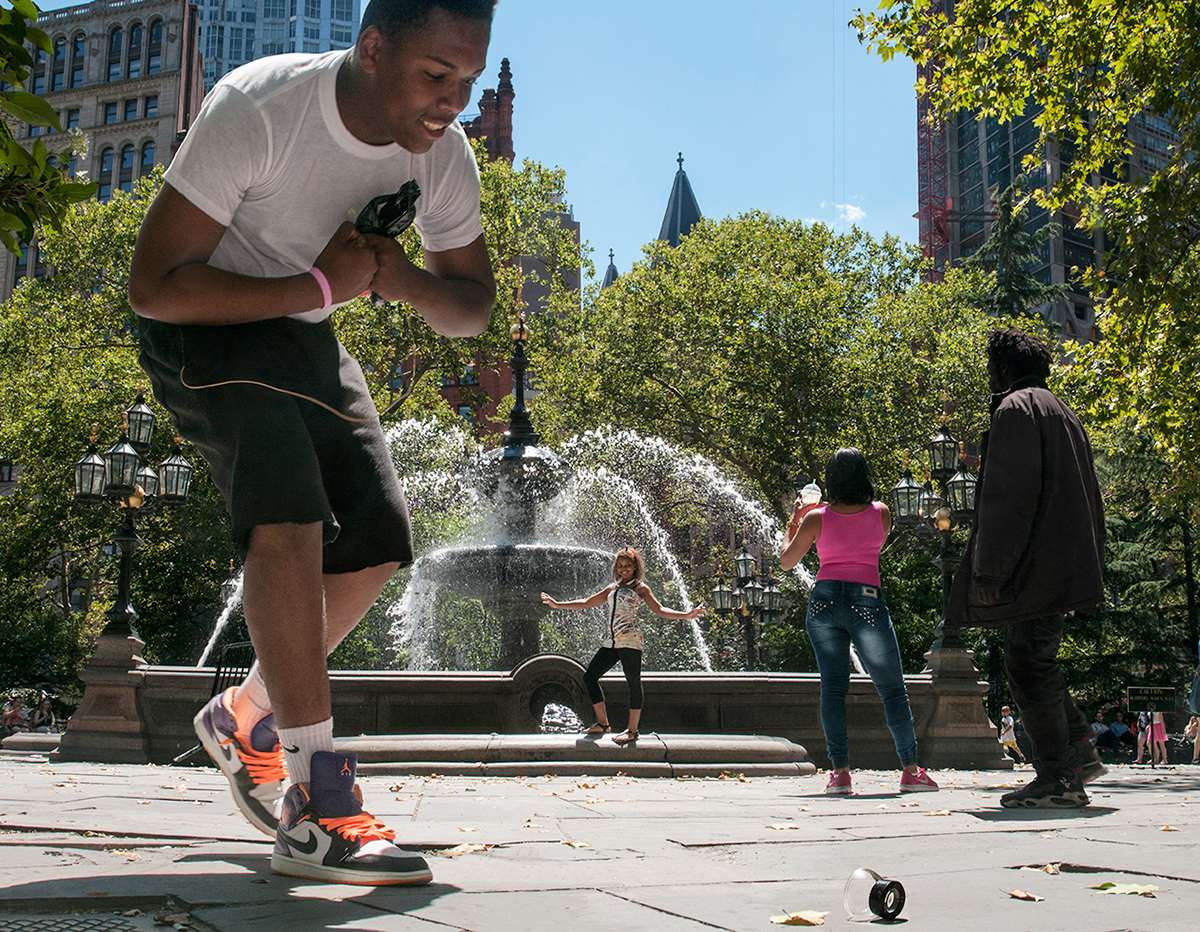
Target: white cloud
<point x="849" y="213"/>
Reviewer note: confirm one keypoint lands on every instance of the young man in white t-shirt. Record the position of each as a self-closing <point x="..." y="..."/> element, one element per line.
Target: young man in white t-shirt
<point x="242" y="256"/>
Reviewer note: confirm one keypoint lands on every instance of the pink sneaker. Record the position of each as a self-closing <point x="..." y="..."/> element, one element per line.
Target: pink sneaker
<point x="839" y="784"/>
<point x="919" y="782"/>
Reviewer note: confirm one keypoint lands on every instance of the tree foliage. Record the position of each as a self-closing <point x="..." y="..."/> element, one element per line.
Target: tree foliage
<point x="1090" y="68"/>
<point x="765" y="344"/>
<point x="33" y="189"/>
<point x="1008" y="255"/>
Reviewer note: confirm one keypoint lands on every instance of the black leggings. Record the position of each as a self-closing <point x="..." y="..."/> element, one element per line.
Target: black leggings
<point x="606" y="658"/>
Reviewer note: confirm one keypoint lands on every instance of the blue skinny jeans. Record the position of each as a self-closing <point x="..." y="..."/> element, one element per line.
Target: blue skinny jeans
<point x="841" y="614"/>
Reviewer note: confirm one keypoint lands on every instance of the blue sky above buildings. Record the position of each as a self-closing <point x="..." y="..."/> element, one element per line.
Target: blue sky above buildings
<point x="773" y="103"/>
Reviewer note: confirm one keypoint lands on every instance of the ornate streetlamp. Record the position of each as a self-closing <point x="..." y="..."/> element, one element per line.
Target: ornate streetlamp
<point x="123" y="476"/>
<point x="753" y="595"/>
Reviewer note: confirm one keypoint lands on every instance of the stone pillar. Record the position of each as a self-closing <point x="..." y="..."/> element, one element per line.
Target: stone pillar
<point x="108" y="726"/>
<point x="957" y="734"/>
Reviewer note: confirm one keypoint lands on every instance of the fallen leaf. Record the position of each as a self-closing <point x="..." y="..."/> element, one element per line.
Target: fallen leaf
<point x="1022" y="895"/>
<point x="783" y="826"/>
<point x="883" y="806"/>
<point x="939" y="812"/>
<point x="1147" y="889"/>
<point x="464" y="848"/>
<point x="806" y="917"/>
<point x="577" y="844"/>
<point x="1170" y="828"/>
<point x="465" y="828"/>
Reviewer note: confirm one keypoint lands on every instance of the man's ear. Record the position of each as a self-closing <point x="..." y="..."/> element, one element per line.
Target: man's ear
<point x="369" y="48"/>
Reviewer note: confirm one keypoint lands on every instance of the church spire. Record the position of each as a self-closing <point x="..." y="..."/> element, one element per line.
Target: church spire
<point x="611" y="274"/>
<point x="683" y="212"/>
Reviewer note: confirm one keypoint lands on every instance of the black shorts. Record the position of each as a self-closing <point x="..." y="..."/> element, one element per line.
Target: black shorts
<point x="283" y="417"/>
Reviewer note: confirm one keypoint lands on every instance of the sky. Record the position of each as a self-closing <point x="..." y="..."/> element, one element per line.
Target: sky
<point x="774" y="104"/>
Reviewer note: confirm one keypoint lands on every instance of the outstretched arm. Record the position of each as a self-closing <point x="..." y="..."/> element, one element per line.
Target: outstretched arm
<point x="802" y="532"/>
<point x="590" y="602"/>
<point x="655" y="606"/>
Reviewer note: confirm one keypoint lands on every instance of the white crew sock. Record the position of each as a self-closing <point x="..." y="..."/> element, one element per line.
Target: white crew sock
<point x="250" y="700"/>
<point x="299" y="745"/>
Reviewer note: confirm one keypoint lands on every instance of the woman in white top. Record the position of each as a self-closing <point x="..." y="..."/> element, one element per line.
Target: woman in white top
<point x="624" y="638"/>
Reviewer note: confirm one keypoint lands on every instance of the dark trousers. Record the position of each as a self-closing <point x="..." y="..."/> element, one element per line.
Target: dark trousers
<point x="1052" y="720"/>
<point x="606" y="658"/>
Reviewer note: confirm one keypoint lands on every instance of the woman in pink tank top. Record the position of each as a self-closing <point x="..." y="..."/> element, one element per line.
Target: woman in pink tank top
<point x="846" y="607"/>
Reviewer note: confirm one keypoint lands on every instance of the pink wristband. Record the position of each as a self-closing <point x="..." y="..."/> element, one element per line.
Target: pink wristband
<point x="324" y="283"/>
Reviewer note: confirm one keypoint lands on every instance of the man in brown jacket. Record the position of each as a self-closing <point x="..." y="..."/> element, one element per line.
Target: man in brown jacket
<point x="1034" y="559"/>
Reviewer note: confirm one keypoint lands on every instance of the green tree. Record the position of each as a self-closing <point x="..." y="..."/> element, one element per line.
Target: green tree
<point x="33" y="189"/>
<point x="1008" y="254"/>
<point x="1089" y="70"/>
<point x="765" y="344"/>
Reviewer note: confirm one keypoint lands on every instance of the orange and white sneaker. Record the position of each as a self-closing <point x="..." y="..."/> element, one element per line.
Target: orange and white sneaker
<point x="324" y="834"/>
<point x="250" y="757"/>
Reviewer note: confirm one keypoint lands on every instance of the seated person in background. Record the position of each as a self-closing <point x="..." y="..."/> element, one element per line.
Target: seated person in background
<point x="43" y="717"/>
<point x="1121" y="732"/>
<point x="1099" y="729"/>
<point x="14" y="717"/>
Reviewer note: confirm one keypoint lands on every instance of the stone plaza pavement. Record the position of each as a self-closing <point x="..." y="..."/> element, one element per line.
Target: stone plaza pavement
<point x="112" y="847"/>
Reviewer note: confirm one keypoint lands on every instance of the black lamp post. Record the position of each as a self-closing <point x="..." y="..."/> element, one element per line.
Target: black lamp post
<point x="123" y="476"/>
<point x="753" y="595"/>
<point x="520" y="432"/>
<point x="913" y="505"/>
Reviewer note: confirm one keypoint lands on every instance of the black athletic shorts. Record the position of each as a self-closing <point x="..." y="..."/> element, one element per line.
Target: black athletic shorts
<point x="282" y="415"/>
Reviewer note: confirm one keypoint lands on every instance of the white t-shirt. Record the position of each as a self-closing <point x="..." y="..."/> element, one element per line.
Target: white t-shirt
<point x="270" y="159"/>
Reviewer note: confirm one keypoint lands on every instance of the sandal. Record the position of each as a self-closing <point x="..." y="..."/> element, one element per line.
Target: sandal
<point x="626" y="737"/>
<point x="600" y="728"/>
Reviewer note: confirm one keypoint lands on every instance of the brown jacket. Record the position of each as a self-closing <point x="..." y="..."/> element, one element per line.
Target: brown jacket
<point x="1038" y="532"/>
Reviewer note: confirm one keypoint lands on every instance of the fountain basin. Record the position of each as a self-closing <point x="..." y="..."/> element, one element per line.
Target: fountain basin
<point x="519" y="572"/>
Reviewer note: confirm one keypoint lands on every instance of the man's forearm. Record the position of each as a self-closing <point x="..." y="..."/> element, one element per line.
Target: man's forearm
<point x="198" y="293"/>
<point x="452" y="307"/>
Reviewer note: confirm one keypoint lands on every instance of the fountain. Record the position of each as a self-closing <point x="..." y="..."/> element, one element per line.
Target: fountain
<point x="508" y="575"/>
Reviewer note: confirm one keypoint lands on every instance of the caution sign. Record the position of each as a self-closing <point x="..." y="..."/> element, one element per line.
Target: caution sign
<point x="1150" y="698"/>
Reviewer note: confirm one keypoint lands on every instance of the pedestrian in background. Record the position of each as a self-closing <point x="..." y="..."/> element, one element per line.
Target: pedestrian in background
<point x="1034" y="560"/>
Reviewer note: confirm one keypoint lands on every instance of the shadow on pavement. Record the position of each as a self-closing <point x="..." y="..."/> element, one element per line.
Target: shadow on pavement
<point x="1038" y="815"/>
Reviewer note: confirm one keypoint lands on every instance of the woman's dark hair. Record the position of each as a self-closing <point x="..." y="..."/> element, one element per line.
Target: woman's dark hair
<point x="1021" y="353"/>
<point x="392" y="17"/>
<point x="848" y="478"/>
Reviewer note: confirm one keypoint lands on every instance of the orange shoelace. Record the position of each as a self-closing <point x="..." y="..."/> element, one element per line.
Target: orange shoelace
<point x="361" y="827"/>
<point x="263" y="767"/>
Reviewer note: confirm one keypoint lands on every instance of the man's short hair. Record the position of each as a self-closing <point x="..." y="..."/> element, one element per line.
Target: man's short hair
<point x="1021" y="353"/>
<point x="392" y="17"/>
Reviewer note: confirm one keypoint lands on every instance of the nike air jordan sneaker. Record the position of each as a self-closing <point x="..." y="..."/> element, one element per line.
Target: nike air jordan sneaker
<point x="250" y="757"/>
<point x="324" y="834"/>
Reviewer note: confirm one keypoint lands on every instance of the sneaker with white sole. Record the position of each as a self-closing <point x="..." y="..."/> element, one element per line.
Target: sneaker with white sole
<point x="919" y="782"/>
<point x="839" y="784"/>
<point x="324" y="834"/>
<point x="1049" y="791"/>
<point x="250" y="757"/>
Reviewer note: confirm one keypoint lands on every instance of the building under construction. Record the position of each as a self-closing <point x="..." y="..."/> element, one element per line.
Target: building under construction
<point x="964" y="163"/>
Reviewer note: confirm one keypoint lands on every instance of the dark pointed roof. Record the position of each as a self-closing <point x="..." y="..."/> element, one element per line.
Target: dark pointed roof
<point x="611" y="275"/>
<point x="683" y="212"/>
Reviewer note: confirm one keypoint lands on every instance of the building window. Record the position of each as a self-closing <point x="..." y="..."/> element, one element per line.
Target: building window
<point x="312" y="9"/>
<point x="77" y="50"/>
<point x="131" y="109"/>
<point x="312" y="30"/>
<point x="35" y="130"/>
<point x="104" y="178"/>
<point x="37" y="74"/>
<point x="465" y="412"/>
<point x="151" y="108"/>
<point x="114" y="54"/>
<point x="58" y="67"/>
<point x="469" y="376"/>
<point x="343" y="11"/>
<point x="72" y="120"/>
<point x="134" y="68"/>
<point x="249" y="16"/>
<point x="235" y="44"/>
<point x="125" y="178"/>
<point x="110" y="112"/>
<point x="147" y="159"/>
<point x="340" y="35"/>
<point x="21" y="266"/>
<point x="273" y="9"/>
<point x="154" y="60"/>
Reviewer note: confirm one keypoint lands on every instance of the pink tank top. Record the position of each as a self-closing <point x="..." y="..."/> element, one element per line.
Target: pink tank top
<point x="849" y="546"/>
